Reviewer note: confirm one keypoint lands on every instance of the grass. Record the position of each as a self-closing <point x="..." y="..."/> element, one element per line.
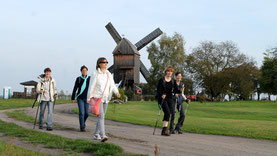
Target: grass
<point x="20" y="103"/>
<point x="58" y="142"/>
<point x="9" y="149"/>
<point x="250" y="119"/>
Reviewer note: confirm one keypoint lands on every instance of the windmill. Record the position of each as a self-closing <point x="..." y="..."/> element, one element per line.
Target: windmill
<point x="127" y="64"/>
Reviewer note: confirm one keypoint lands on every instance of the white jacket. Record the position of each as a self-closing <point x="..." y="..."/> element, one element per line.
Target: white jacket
<point x="53" y="89"/>
<point x="97" y="84"/>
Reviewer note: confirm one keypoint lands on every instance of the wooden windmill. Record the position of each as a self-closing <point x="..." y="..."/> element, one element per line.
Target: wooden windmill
<point x="127" y="65"/>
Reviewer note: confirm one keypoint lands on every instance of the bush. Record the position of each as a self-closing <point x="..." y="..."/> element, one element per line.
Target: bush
<point x="149" y="97"/>
<point x="122" y="95"/>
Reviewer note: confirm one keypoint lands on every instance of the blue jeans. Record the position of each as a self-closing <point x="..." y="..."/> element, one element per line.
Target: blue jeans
<point x="83" y="111"/>
<point x="49" y="115"/>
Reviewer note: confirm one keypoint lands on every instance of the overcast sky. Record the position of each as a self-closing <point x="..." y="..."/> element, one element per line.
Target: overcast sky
<point x="65" y="34"/>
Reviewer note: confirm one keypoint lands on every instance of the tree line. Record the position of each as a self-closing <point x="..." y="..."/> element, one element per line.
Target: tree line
<point x="213" y="70"/>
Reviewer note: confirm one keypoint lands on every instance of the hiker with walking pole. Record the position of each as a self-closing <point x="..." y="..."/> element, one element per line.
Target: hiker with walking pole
<point x="81" y="87"/>
<point x="100" y="92"/>
<point x="166" y="91"/>
<point x="180" y="107"/>
<point x="48" y="93"/>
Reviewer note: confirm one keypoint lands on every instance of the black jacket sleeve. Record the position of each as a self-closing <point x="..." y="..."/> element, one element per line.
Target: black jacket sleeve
<point x="75" y="89"/>
<point x="160" y="90"/>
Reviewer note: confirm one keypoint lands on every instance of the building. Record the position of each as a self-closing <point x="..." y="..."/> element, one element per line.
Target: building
<point x="29" y="90"/>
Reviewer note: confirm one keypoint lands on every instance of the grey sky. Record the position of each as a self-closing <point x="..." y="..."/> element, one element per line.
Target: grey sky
<point x="65" y="34"/>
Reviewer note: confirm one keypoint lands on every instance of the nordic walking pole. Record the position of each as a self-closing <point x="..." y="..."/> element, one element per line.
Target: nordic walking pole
<point x="37" y="112"/>
<point x="158" y="117"/>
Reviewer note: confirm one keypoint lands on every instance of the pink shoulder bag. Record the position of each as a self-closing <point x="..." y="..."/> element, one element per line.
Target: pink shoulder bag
<point x="94" y="104"/>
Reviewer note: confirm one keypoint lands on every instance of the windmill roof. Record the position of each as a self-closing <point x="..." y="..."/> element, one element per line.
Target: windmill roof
<point x="125" y="47"/>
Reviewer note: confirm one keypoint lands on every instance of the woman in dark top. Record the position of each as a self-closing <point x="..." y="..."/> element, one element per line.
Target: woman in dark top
<point x="167" y="90"/>
<point x="82" y="84"/>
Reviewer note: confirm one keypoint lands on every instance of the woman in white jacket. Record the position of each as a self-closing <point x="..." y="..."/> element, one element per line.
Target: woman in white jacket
<point x="102" y="83"/>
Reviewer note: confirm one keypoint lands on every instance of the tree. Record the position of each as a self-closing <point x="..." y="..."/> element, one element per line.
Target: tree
<point x="168" y="51"/>
<point x="242" y="79"/>
<point x="268" y="79"/>
<point x="209" y="60"/>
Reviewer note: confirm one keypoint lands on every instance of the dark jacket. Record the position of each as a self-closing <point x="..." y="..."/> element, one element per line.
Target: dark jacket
<point x="78" y="84"/>
<point x="168" y="88"/>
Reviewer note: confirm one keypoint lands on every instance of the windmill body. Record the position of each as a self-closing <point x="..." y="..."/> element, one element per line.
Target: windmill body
<point x="127" y="65"/>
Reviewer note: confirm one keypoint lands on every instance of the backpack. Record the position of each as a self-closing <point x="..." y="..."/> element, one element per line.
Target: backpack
<point x="164" y="82"/>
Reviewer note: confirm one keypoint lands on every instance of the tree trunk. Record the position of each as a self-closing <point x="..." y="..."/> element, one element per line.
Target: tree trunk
<point x="269" y="97"/>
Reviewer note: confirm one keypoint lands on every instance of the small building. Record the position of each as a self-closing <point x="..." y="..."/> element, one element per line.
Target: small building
<point x="29" y="90"/>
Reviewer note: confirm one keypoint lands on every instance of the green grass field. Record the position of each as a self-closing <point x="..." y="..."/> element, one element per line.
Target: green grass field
<point x="20" y="103"/>
<point x="250" y="119"/>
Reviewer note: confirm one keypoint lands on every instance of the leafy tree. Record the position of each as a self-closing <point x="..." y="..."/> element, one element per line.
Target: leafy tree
<point x="268" y="79"/>
<point x="168" y="51"/>
<point x="207" y="64"/>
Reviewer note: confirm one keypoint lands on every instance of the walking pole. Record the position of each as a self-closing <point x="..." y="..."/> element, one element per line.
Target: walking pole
<point x="158" y="117"/>
<point x="36" y="113"/>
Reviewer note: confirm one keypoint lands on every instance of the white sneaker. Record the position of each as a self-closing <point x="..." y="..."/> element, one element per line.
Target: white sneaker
<point x="97" y="137"/>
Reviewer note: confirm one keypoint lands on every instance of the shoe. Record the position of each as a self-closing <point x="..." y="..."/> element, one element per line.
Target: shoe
<point x="96" y="137"/>
<point x="82" y="130"/>
<point x="178" y="130"/>
<point x="165" y="132"/>
<point x="104" y="139"/>
<point x="49" y="129"/>
<point x="172" y="132"/>
<point x="40" y="127"/>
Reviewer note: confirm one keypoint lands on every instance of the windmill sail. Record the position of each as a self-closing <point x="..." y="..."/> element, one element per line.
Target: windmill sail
<point x="111" y="69"/>
<point x="144" y="71"/>
<point x="147" y="39"/>
<point x="117" y="38"/>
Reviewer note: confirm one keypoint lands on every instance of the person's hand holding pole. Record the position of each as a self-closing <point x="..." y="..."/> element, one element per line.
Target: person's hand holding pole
<point x="164" y="96"/>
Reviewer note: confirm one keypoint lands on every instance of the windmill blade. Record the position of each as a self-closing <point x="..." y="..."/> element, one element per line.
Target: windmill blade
<point x="111" y="69"/>
<point x="144" y="71"/>
<point x="147" y="39"/>
<point x="117" y="38"/>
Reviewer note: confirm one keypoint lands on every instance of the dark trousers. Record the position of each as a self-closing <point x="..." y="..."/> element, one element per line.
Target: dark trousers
<point x="182" y="115"/>
<point x="83" y="111"/>
<point x="169" y="110"/>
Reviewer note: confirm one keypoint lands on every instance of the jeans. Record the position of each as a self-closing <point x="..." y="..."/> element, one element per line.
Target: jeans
<point x="100" y="125"/>
<point x="83" y="111"/>
<point x="49" y="115"/>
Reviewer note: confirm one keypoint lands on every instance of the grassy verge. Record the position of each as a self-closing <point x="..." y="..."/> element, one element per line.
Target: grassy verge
<point x="250" y="119"/>
<point x="20" y="103"/>
<point x="99" y="149"/>
<point x="58" y="142"/>
<point x="9" y="149"/>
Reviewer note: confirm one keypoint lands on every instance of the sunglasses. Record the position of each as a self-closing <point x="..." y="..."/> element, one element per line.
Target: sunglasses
<point x="104" y="62"/>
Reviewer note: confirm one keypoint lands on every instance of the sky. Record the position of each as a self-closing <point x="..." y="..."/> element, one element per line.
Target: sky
<point x="66" y="34"/>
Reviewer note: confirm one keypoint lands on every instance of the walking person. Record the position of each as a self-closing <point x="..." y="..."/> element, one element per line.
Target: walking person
<point x="102" y="85"/>
<point x="166" y="91"/>
<point x="47" y="88"/>
<point x="180" y="106"/>
<point x="81" y="87"/>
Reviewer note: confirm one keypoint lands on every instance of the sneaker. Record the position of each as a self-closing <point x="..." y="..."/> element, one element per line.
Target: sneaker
<point x="82" y="130"/>
<point x="172" y="132"/>
<point x="104" y="139"/>
<point x="96" y="137"/>
<point x="49" y="129"/>
<point x="165" y="132"/>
